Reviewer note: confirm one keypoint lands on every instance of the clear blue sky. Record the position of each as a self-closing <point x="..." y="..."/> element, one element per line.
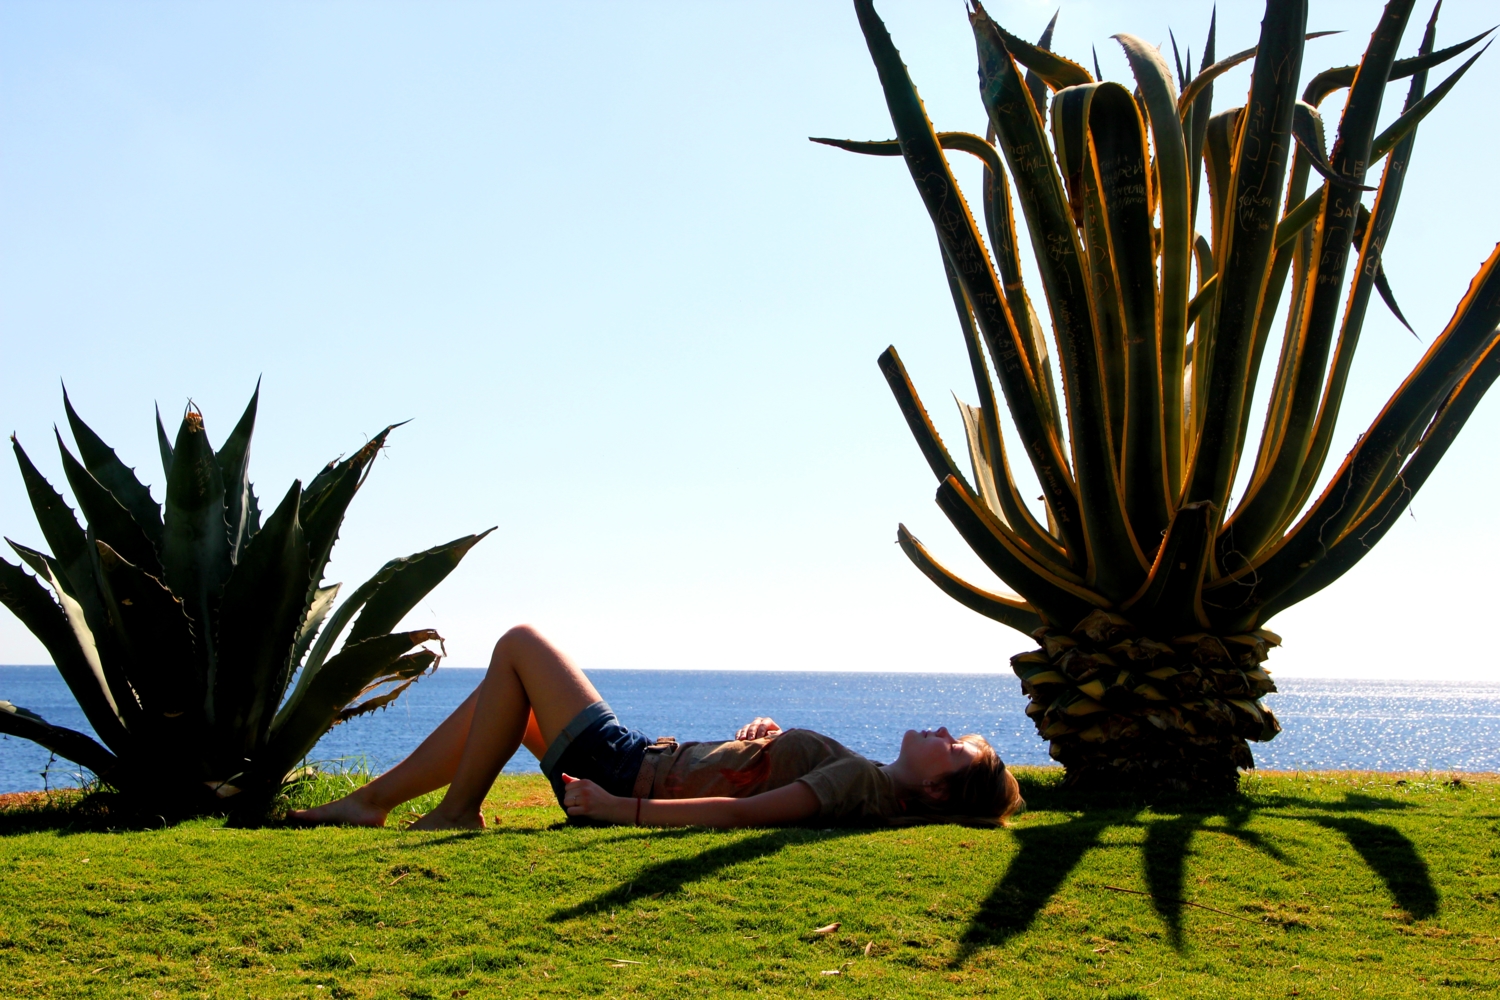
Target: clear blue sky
<point x="632" y="312"/>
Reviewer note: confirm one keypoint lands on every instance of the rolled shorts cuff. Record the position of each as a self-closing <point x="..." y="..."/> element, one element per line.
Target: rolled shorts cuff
<point x="571" y="732"/>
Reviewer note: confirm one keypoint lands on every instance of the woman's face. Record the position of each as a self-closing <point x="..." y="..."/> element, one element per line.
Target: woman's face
<point x="933" y="754"/>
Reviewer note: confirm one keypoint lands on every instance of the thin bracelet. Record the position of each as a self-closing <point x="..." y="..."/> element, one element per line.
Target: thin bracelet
<point x="637" y="810"/>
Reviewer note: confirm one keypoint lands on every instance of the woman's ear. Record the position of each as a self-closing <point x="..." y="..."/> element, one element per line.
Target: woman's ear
<point x="935" y="791"/>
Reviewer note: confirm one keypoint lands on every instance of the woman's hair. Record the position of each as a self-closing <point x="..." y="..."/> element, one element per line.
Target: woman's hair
<point x="984" y="792"/>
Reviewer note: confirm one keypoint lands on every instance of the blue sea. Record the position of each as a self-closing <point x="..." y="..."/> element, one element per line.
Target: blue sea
<point x="1329" y="724"/>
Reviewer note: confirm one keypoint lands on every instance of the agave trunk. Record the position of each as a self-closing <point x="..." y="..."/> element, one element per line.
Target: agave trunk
<point x="1122" y="709"/>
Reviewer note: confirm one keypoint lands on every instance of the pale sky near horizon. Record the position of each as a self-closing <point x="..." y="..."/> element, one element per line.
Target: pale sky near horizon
<point x="632" y="312"/>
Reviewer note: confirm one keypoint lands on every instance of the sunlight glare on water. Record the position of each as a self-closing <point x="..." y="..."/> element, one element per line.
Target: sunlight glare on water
<point x="1329" y="724"/>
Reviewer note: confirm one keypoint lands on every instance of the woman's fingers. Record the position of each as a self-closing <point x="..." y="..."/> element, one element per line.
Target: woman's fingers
<point x="757" y="728"/>
<point x="580" y="796"/>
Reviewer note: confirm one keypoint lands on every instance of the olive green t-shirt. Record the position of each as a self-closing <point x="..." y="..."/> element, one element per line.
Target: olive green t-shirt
<point x="849" y="788"/>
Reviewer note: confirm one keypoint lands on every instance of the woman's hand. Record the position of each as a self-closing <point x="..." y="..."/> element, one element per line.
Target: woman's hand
<point x="582" y="797"/>
<point x="757" y="728"/>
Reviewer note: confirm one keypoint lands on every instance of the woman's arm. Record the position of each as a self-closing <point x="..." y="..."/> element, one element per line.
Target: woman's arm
<point x="788" y="804"/>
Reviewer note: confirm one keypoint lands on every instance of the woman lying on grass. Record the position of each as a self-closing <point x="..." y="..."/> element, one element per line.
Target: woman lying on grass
<point x="766" y="776"/>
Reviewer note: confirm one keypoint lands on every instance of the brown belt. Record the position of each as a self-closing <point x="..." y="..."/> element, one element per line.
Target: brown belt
<point x="645" y="778"/>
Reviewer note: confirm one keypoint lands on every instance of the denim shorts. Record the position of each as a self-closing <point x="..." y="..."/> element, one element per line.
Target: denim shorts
<point x="597" y="747"/>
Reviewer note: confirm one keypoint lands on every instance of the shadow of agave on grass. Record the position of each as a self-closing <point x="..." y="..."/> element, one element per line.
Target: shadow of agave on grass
<point x="1393" y="857"/>
<point x="1048" y="854"/>
<point x="670" y="875"/>
<point x="1168" y="843"/>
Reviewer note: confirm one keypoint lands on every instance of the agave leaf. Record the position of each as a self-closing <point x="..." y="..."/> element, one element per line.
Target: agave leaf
<point x="1411" y="117"/>
<point x="1196" y="122"/>
<point x="93" y="630"/>
<point x="68" y="641"/>
<point x="1307" y="130"/>
<point x="1218" y="159"/>
<point x="263" y="607"/>
<point x="1007" y="504"/>
<point x="66" y="539"/>
<point x="928" y="439"/>
<point x="1114" y="560"/>
<point x="1323" y="168"/>
<point x="1154" y="342"/>
<point x="1010" y="611"/>
<point x="1207" y="267"/>
<point x="1260" y="166"/>
<point x="1071" y="114"/>
<point x="407" y="583"/>
<point x="156" y="637"/>
<point x="1382" y="285"/>
<point x="405" y="672"/>
<point x="323" y="512"/>
<point x="1330" y="80"/>
<point x="1299" y="248"/>
<point x="1171" y="598"/>
<point x="405" y="591"/>
<point x="878" y="147"/>
<point x="234" y="471"/>
<point x="1383" y="514"/>
<point x="107" y="518"/>
<point x="322" y="603"/>
<point x="75" y="746"/>
<point x="1259" y="516"/>
<point x="1034" y="81"/>
<point x="312" y="708"/>
<point x="1208" y="75"/>
<point x="252" y="513"/>
<point x="986" y="442"/>
<point x="105" y="466"/>
<point x="1058" y="601"/>
<point x="976" y="432"/>
<point x="195" y="553"/>
<point x="1392" y="434"/>
<point x="164" y="443"/>
<point x="1218" y="162"/>
<point x="1182" y="80"/>
<point x="1204" y="297"/>
<point x="1002" y="236"/>
<point x="1000" y="223"/>
<point x="1176" y="255"/>
<point x="1371" y="229"/>
<point x="1056" y="71"/>
<point x="75" y="578"/>
<point x="1299" y="218"/>
<point x="963" y="246"/>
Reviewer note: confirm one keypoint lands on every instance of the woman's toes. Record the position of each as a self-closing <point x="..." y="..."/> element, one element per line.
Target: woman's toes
<point x="435" y="821"/>
<point x="341" y="812"/>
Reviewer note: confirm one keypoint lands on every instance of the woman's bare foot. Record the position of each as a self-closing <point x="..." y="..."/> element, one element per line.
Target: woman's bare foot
<point x="435" y="820"/>
<point x="347" y="811"/>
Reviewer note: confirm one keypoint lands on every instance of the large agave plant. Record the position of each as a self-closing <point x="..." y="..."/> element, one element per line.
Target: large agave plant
<point x="179" y="631"/>
<point x="1144" y="589"/>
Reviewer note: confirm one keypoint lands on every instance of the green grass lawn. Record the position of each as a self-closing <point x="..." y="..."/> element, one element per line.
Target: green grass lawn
<point x="1321" y="885"/>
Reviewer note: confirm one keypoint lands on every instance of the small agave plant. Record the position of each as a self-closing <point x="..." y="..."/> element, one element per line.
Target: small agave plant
<point x="1145" y="586"/>
<point x="180" y="630"/>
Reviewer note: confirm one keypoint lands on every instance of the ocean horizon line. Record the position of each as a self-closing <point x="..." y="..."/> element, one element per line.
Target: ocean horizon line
<point x="979" y="672"/>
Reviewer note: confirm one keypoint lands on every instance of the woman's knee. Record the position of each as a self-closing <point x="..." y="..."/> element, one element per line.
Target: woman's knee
<point x="520" y="638"/>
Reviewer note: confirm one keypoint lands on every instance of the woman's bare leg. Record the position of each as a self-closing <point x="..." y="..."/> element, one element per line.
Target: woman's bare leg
<point x="530" y="692"/>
